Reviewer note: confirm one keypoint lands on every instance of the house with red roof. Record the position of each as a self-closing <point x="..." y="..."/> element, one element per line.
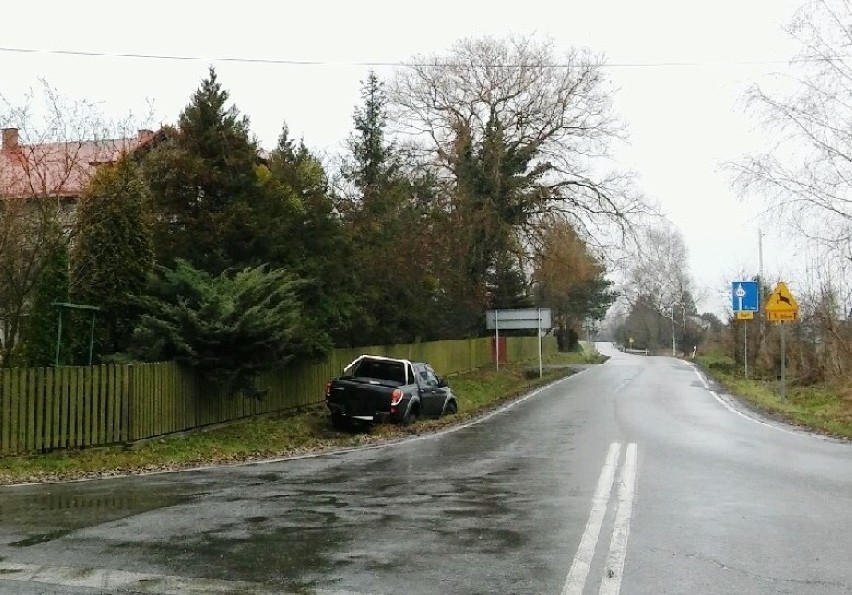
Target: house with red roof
<point x="32" y="172"/>
<point x="58" y="170"/>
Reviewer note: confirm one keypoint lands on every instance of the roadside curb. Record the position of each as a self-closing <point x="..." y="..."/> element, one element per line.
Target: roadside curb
<point x="425" y="435"/>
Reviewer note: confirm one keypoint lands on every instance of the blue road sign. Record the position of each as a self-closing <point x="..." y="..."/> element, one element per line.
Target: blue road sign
<point x="745" y="296"/>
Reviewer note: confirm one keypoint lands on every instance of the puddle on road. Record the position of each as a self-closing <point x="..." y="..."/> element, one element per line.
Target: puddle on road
<point x="268" y="477"/>
<point x="51" y="513"/>
<point x="42" y="538"/>
<point x="277" y="556"/>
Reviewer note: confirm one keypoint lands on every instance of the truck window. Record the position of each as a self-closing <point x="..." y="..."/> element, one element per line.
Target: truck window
<point x="380" y="370"/>
<point x="427" y="378"/>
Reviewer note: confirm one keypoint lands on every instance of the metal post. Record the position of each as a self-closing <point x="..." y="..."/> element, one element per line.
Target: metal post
<point x="783" y="364"/>
<point x="745" y="346"/>
<point x="58" y="337"/>
<point x="92" y="339"/>
<point x="540" y="362"/>
<point x="497" y="336"/>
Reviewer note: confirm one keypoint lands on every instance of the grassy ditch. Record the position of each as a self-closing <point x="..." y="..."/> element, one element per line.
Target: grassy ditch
<point x="824" y="408"/>
<point x="295" y="433"/>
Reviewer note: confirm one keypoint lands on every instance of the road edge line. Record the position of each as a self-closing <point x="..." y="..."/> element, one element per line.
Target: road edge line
<point x="803" y="433"/>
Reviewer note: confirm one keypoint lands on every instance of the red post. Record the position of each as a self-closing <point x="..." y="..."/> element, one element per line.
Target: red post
<point x="503" y="358"/>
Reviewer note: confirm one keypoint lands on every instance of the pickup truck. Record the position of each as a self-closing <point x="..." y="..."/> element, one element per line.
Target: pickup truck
<point x="376" y="389"/>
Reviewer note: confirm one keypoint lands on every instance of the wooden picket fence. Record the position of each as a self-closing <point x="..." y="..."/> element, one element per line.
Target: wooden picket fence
<point x="44" y="409"/>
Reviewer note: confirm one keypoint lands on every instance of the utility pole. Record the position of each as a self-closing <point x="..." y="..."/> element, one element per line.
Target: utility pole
<point x="673" y="331"/>
<point x="671" y="313"/>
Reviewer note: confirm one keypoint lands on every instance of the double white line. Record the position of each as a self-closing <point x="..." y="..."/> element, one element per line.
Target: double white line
<point x="614" y="566"/>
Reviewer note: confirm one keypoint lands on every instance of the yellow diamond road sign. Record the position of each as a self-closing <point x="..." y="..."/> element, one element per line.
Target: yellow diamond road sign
<point x="781" y="304"/>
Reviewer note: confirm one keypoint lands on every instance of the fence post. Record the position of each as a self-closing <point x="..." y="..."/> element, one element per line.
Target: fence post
<point x="130" y="403"/>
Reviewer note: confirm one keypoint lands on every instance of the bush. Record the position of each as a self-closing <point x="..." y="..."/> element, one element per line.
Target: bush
<point x="719" y="362"/>
<point x="230" y="327"/>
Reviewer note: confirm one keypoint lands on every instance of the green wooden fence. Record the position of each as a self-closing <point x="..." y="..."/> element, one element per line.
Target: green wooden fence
<point x="44" y="409"/>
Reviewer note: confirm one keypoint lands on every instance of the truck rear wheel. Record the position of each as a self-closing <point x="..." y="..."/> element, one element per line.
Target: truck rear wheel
<point x="410" y="416"/>
<point x="339" y="422"/>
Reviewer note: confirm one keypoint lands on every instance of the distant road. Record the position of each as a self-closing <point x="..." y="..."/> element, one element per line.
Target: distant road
<point x="631" y="477"/>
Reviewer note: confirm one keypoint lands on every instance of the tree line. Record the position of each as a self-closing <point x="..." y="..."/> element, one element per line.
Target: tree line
<point x="658" y="307"/>
<point x="473" y="179"/>
<point x="802" y="177"/>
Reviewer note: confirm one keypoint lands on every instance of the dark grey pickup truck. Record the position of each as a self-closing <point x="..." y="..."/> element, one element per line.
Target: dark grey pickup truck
<point x="376" y="389"/>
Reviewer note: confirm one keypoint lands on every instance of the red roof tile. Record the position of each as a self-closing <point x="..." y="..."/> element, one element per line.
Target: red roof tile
<point x="57" y="169"/>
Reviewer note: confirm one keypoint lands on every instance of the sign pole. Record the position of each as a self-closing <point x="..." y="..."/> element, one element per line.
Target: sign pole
<point x="528" y="319"/>
<point x="783" y="364"/>
<point x="497" y="336"/>
<point x="540" y="361"/>
<point x="745" y="346"/>
<point x="781" y="307"/>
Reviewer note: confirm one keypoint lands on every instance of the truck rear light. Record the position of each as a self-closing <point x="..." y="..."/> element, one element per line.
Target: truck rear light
<point x="396" y="397"/>
<point x="327" y="390"/>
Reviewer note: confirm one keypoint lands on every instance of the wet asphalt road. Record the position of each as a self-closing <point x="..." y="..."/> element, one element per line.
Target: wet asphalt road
<point x="541" y="498"/>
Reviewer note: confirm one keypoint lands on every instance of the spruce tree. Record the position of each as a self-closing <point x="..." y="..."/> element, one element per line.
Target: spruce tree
<point x="203" y="183"/>
<point x="113" y="254"/>
<point x="389" y="232"/>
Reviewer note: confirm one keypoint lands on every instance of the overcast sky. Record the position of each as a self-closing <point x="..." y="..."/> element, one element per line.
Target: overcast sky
<point x="684" y="120"/>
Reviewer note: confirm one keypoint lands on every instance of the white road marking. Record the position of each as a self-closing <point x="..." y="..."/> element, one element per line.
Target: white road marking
<point x="576" y="579"/>
<point x="758" y="421"/>
<point x="614" y="567"/>
<point x="701" y="378"/>
<point x="736" y="411"/>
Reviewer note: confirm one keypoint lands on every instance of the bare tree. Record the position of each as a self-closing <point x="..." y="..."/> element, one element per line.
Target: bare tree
<point x="537" y="125"/>
<point x="824" y="333"/>
<point x="659" y="275"/>
<point x="806" y="173"/>
<point x="657" y="290"/>
<point x="29" y="231"/>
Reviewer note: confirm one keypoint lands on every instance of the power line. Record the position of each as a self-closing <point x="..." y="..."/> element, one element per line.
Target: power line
<point x="377" y="64"/>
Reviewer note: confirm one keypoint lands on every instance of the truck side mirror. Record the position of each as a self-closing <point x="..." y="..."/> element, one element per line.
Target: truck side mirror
<point x="441" y="382"/>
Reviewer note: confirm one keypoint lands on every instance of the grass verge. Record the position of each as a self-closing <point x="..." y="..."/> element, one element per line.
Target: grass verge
<point x="576" y="357"/>
<point x="291" y="434"/>
<point x="823" y="408"/>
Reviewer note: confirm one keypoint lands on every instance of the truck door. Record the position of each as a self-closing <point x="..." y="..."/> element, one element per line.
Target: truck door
<point x="431" y="397"/>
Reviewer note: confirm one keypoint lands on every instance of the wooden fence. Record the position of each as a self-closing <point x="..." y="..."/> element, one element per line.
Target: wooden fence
<point x="44" y="409"/>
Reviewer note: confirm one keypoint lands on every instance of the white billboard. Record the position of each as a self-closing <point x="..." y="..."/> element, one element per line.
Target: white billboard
<point x="519" y="318"/>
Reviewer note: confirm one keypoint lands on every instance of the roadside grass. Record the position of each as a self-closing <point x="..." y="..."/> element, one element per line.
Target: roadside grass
<point x="576" y="357"/>
<point x="289" y="434"/>
<point x="825" y="408"/>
